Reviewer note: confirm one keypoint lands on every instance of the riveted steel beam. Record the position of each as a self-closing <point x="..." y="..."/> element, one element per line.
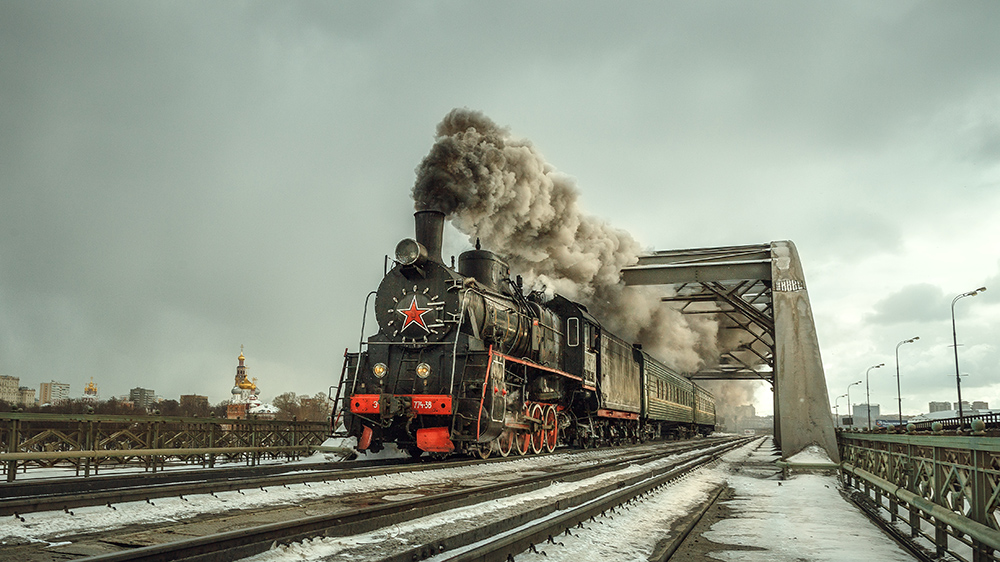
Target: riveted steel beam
<point x="658" y="274"/>
<point x="758" y="289"/>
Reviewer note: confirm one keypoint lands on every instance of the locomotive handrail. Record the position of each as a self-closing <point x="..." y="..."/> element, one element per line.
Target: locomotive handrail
<point x="361" y="342"/>
<point x="409" y="343"/>
<point x="338" y="409"/>
<point x="458" y="333"/>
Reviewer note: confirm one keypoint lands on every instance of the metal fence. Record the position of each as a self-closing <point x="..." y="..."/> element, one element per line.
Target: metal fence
<point x="89" y="443"/>
<point x="990" y="421"/>
<point x="944" y="488"/>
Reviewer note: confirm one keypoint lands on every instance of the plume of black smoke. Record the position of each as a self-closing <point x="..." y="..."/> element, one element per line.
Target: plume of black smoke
<point x="500" y="189"/>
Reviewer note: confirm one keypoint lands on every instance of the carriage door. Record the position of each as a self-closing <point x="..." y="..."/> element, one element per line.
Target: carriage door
<point x="590" y="354"/>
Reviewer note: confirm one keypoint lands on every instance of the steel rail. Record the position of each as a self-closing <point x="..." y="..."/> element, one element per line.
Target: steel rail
<point x="540" y="527"/>
<point x="665" y="549"/>
<point x="124" y="453"/>
<point x="140" y="488"/>
<point x="664" y="552"/>
<point x="62" y="485"/>
<point x="234" y="545"/>
<point x="69" y="493"/>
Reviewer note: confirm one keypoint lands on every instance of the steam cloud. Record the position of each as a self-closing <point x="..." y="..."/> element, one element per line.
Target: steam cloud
<point x="501" y="190"/>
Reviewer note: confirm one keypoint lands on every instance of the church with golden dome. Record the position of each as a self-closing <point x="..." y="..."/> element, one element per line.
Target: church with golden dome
<point x="245" y="393"/>
<point x="90" y="392"/>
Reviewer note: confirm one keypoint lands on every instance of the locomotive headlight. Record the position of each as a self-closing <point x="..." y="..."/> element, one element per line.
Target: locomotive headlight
<point x="409" y="252"/>
<point x="379" y="370"/>
<point x="423" y="370"/>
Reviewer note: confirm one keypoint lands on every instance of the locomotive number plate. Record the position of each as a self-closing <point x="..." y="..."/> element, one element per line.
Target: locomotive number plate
<point x="429" y="404"/>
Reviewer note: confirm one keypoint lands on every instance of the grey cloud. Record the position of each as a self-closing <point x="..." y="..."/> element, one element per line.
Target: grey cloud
<point x="914" y="303"/>
<point x="180" y="178"/>
<point x="992" y="285"/>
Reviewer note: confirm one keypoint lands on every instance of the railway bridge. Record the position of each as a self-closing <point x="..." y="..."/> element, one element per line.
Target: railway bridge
<point x="760" y="291"/>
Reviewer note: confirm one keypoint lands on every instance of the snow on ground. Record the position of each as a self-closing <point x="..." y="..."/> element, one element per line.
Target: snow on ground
<point x="50" y="526"/>
<point x="813" y="454"/>
<point x="800" y="518"/>
<point x="632" y="534"/>
<point x="413" y="533"/>
<point x="797" y="519"/>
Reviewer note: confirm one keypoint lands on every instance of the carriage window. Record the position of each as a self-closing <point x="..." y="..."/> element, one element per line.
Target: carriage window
<point x="573" y="331"/>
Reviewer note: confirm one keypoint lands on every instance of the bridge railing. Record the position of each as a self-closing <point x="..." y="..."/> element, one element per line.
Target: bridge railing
<point x="945" y="488"/>
<point x="87" y="444"/>
<point x="990" y="420"/>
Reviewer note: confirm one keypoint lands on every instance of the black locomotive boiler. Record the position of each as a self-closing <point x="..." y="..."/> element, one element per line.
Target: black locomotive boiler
<point x="464" y="361"/>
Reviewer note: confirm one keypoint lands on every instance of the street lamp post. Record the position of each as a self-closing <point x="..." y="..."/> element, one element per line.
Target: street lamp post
<point x="868" y="397"/>
<point x="899" y="396"/>
<point x="849" y="400"/>
<point x="954" y="336"/>
<point x="836" y="405"/>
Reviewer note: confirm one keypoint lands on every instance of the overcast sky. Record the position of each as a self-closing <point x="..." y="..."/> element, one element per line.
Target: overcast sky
<point x="178" y="179"/>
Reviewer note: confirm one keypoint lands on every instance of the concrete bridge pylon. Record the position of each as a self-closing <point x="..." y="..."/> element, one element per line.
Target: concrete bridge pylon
<point x="760" y="291"/>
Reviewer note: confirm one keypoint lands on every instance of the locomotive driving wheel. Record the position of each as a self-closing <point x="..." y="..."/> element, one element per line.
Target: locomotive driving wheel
<point x="505" y="443"/>
<point x="537" y="436"/>
<point x="522" y="442"/>
<point x="550" y="428"/>
<point x="485" y="450"/>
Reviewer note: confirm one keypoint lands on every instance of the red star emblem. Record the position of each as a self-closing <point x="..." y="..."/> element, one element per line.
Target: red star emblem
<point x="414" y="315"/>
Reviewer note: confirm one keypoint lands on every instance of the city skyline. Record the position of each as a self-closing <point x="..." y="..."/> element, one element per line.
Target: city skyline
<point x="123" y="395"/>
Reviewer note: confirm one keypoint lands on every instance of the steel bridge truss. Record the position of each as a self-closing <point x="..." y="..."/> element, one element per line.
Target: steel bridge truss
<point x="745" y="305"/>
<point x="758" y="293"/>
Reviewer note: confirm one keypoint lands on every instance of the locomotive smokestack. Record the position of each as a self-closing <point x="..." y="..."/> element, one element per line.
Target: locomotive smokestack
<point x="429" y="231"/>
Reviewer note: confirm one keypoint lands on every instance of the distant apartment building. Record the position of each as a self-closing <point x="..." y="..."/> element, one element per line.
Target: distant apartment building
<point x="861" y="411"/>
<point x="980" y="405"/>
<point x="26" y="396"/>
<point x="938" y="407"/>
<point x="53" y="392"/>
<point x="191" y="403"/>
<point x="142" y="397"/>
<point x="9" y="389"/>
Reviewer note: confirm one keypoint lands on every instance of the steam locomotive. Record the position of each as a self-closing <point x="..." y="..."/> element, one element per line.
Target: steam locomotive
<point x="464" y="362"/>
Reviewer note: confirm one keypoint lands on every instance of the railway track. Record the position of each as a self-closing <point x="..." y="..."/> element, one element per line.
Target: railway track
<point x="679" y="544"/>
<point x="601" y="501"/>
<point x="61" y="494"/>
<point x="619" y="479"/>
<point x="29" y="496"/>
<point x="349" y="517"/>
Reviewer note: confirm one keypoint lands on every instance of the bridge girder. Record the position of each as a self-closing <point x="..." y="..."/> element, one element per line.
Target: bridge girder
<point x="759" y="291"/>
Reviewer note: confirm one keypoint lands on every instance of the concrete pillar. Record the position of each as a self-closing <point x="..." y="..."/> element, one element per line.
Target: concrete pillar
<point x="802" y="415"/>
